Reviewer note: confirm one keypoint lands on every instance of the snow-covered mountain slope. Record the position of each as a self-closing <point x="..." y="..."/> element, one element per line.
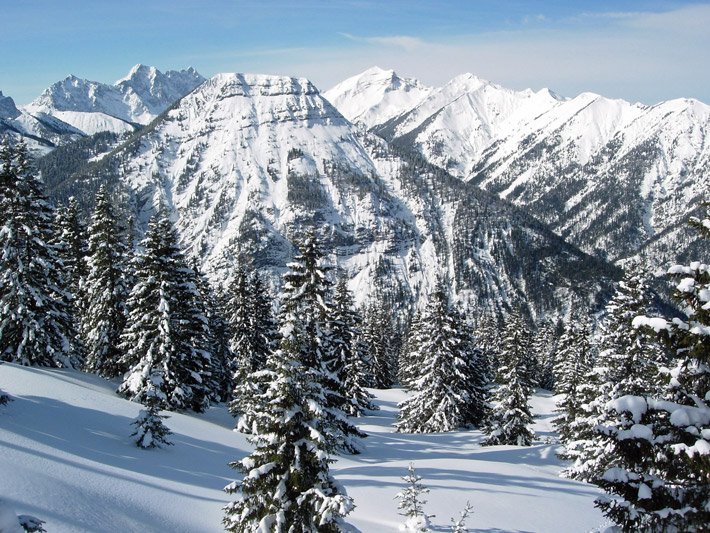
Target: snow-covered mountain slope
<point x="376" y="96"/>
<point x="456" y="122"/>
<point x="66" y="457"/>
<point x="247" y="162"/>
<point x="137" y="99"/>
<point x="41" y="132"/>
<point x="606" y="174"/>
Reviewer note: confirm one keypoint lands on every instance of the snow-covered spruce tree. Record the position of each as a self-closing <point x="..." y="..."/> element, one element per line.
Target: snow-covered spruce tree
<point x="510" y="416"/>
<point x="306" y="307"/>
<point x="150" y="431"/>
<point x="36" y="322"/>
<point x="379" y="333"/>
<point x="253" y="330"/>
<point x="488" y="333"/>
<point x="545" y="347"/>
<point x="165" y="340"/>
<point x="253" y="337"/>
<point x="516" y="349"/>
<point x="458" y="525"/>
<point x="573" y="362"/>
<point x="4" y="398"/>
<point x="287" y="485"/>
<point x="72" y="240"/>
<point x="660" y="480"/>
<point x="411" y="502"/>
<point x="220" y="383"/>
<point x="448" y="391"/>
<point x="347" y="359"/>
<point x="627" y="363"/>
<point x="408" y="366"/>
<point x="105" y="291"/>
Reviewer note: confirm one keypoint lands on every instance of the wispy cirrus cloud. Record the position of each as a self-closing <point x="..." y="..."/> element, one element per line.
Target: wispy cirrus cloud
<point x="406" y="42"/>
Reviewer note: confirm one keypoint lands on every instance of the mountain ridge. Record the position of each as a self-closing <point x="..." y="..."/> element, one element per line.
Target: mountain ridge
<point x="246" y="162"/>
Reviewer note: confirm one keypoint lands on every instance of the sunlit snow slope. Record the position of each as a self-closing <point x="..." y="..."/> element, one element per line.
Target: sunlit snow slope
<point x="66" y="457"/>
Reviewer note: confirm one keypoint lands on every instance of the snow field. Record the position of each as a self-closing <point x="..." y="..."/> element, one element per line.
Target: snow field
<point x="66" y="456"/>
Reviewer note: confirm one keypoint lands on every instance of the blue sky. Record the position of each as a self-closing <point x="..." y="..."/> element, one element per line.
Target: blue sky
<point x="640" y="51"/>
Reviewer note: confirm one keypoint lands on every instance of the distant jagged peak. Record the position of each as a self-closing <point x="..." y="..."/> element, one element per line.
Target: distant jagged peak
<point x="138" y="71"/>
<point x="8" y="108"/>
<point x="386" y="79"/>
<point x="376" y="95"/>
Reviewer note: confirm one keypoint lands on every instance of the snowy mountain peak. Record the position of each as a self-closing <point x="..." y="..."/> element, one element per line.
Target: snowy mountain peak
<point x="138" y="98"/>
<point x="261" y="85"/>
<point x="376" y="95"/>
<point x="8" y="108"/>
<point x="138" y="71"/>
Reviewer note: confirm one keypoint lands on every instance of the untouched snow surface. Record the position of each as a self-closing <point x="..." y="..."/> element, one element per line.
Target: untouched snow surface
<point x="66" y="457"/>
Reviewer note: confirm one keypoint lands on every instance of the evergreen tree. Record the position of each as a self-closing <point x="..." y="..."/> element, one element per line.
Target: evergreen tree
<point x="379" y="334"/>
<point x="220" y="384"/>
<point x="458" y="525"/>
<point x="305" y="310"/>
<point x="347" y="360"/>
<point x="660" y="478"/>
<point x="254" y="332"/>
<point x="516" y="349"/>
<point x="449" y="390"/>
<point x="545" y="347"/>
<point x="573" y="362"/>
<point x="71" y="235"/>
<point x="510" y="417"/>
<point x="253" y="337"/>
<point x="628" y="363"/>
<point x="488" y="331"/>
<point x="36" y="322"/>
<point x="407" y="369"/>
<point x="150" y="431"/>
<point x="165" y="341"/>
<point x="411" y="502"/>
<point x="105" y="291"/>
<point x="4" y="398"/>
<point x="287" y="485"/>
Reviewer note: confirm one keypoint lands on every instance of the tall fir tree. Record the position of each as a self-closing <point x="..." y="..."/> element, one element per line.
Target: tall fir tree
<point x="450" y="381"/>
<point x="287" y="485"/>
<point x="573" y="362"/>
<point x="306" y="306"/>
<point x="347" y="360"/>
<point x="407" y="368"/>
<point x="379" y="334"/>
<point x="516" y="349"/>
<point x="545" y="347"/>
<point x="253" y="337"/>
<point x="628" y="363"/>
<point x="510" y="417"/>
<point x="72" y="242"/>
<point x="660" y="478"/>
<point x="36" y="322"/>
<point x="105" y="291"/>
<point x="220" y="383"/>
<point x="165" y="341"/>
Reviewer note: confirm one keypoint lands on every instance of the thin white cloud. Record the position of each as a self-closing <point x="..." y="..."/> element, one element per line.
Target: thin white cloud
<point x="644" y="57"/>
<point x="407" y="42"/>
